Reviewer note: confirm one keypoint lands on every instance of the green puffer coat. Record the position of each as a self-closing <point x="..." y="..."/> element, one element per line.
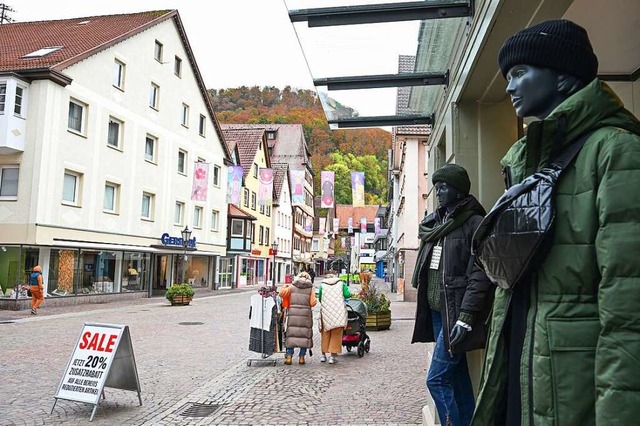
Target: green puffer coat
<point x="580" y="363"/>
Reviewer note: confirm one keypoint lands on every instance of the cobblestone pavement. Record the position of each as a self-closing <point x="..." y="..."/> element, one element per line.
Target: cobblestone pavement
<point x="182" y="365"/>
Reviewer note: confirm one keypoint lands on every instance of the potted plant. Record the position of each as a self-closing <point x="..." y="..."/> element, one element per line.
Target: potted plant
<point x="180" y="294"/>
<point x="378" y="308"/>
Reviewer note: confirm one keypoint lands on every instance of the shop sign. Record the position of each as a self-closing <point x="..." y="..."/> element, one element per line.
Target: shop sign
<point x="256" y="252"/>
<point x="273" y="252"/>
<point x="168" y="240"/>
<point x="102" y="357"/>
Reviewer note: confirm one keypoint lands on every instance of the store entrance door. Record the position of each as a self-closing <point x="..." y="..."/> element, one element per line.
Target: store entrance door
<point x="163" y="269"/>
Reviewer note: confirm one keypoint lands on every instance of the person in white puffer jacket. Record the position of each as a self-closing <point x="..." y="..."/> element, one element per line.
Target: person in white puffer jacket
<point x="333" y="315"/>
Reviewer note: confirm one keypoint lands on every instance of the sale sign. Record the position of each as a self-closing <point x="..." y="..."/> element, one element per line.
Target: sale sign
<point x="102" y="356"/>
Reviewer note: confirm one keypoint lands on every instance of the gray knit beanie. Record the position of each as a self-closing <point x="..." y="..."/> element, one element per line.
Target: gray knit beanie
<point x="557" y="44"/>
<point x="453" y="175"/>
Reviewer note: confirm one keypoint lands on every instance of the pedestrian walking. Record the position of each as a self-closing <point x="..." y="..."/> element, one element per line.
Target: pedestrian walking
<point x="454" y="295"/>
<point x="563" y="348"/>
<point x="312" y="274"/>
<point x="333" y="315"/>
<point x="297" y="300"/>
<point x="36" y="287"/>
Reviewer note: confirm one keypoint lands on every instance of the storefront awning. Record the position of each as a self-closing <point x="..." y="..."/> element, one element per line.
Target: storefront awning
<point x="356" y="53"/>
<point x="125" y="247"/>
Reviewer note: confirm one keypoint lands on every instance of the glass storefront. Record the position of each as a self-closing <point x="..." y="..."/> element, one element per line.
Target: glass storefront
<point x="226" y="272"/>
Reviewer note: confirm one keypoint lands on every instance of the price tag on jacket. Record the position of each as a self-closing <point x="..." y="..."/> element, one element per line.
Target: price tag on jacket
<point x="436" y="254"/>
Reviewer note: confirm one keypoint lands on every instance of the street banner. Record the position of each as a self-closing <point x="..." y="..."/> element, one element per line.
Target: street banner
<point x="363" y="225"/>
<point x="353" y="241"/>
<point x="234" y="184"/>
<point x="102" y="357"/>
<point x="326" y="179"/>
<point x="297" y="187"/>
<point x="350" y="226"/>
<point x="322" y="225"/>
<point x="357" y="188"/>
<point x="343" y="242"/>
<point x="200" y="181"/>
<point x="376" y="224"/>
<point x="308" y="224"/>
<point x="336" y="225"/>
<point x="265" y="189"/>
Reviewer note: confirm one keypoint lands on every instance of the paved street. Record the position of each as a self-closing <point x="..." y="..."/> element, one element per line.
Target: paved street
<point x="180" y="365"/>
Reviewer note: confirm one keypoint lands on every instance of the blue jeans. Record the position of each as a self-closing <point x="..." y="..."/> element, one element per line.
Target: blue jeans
<point x="302" y="352"/>
<point x="449" y="382"/>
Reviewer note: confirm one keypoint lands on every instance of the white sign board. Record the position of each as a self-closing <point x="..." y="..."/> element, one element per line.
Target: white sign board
<point x="102" y="356"/>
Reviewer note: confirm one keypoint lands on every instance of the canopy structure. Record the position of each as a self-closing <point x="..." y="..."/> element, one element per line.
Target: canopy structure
<point x="353" y="51"/>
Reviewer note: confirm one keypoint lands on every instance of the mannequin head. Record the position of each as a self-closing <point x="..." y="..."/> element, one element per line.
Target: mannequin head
<point x="545" y="64"/>
<point x="447" y="195"/>
<point x="536" y="91"/>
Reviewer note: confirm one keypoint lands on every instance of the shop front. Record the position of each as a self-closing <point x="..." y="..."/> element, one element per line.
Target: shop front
<point x="252" y="271"/>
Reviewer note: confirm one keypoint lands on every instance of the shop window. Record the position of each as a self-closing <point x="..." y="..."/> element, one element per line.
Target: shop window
<point x="136" y="269"/>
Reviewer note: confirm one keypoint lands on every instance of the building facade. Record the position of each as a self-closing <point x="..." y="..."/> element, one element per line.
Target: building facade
<point x="109" y="148"/>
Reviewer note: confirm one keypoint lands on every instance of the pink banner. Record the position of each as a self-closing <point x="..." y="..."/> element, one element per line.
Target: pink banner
<point x="343" y="242"/>
<point x="326" y="179"/>
<point x="350" y="226"/>
<point x="357" y="188"/>
<point x="322" y="225"/>
<point x="297" y="187"/>
<point x="377" y="225"/>
<point x="234" y="185"/>
<point x="336" y="225"/>
<point x="363" y="225"/>
<point x="265" y="190"/>
<point x="200" y="181"/>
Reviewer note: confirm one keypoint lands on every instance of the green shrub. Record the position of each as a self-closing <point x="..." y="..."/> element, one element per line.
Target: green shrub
<point x="377" y="302"/>
<point x="179" y="290"/>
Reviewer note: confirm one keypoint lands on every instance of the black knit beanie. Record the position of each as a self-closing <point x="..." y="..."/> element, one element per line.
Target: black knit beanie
<point x="453" y="175"/>
<point x="558" y="44"/>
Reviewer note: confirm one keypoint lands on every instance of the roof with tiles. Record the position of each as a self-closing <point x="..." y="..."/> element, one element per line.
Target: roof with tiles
<point x="234" y="211"/>
<point x="345" y="211"/>
<point x="248" y="141"/>
<point x="78" y="38"/>
<point x="279" y="175"/>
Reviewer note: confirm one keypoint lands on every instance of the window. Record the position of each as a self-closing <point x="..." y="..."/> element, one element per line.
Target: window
<point x="76" y="116"/>
<point x="42" y="52"/>
<point x="255" y="170"/>
<point x="179" y="213"/>
<point x="154" y="96"/>
<point x="184" y="119"/>
<point x="237" y="228"/>
<point x="71" y="188"/>
<point x="9" y="182"/>
<point x="202" y="125"/>
<point x="150" y="148"/>
<point x="111" y="192"/>
<point x="215" y="215"/>
<point x="147" y="206"/>
<point x="315" y="245"/>
<point x="261" y="208"/>
<point x="182" y="162"/>
<point x="157" y="52"/>
<point x="197" y="217"/>
<point x="246" y="197"/>
<point x="253" y="233"/>
<point x="253" y="200"/>
<point x="268" y="210"/>
<point x="3" y="97"/>
<point x="261" y="235"/>
<point x="114" y="136"/>
<point x="18" y="107"/>
<point x="271" y="135"/>
<point x="216" y="176"/>
<point x="177" y="67"/>
<point x="266" y="236"/>
<point x="118" y="74"/>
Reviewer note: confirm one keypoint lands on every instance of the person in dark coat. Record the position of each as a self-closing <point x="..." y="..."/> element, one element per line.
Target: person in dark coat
<point x="454" y="295"/>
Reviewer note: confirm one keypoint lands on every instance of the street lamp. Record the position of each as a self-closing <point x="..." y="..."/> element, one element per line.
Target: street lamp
<point x="186" y="236"/>
<point x="274" y="250"/>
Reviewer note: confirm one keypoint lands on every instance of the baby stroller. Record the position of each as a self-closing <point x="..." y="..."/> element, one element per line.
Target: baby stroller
<point x="355" y="333"/>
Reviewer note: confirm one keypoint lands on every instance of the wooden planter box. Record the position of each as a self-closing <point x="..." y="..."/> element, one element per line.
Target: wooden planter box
<point x="379" y="321"/>
<point x="181" y="300"/>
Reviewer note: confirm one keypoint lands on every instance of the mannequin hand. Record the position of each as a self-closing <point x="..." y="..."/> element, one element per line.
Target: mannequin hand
<point x="459" y="332"/>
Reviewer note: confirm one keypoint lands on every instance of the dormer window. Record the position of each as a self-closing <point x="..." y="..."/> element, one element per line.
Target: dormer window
<point x="42" y="52"/>
<point x="271" y="135"/>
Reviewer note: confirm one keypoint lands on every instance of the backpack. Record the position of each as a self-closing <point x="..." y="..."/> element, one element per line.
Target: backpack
<point x="513" y="237"/>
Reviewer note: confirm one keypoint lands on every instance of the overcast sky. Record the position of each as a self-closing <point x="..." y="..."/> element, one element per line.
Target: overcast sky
<point x="253" y="43"/>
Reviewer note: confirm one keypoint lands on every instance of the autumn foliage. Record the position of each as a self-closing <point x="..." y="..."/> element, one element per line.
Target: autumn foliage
<point x="339" y="150"/>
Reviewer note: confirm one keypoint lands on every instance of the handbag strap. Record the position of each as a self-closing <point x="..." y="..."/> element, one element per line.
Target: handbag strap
<point x="565" y="158"/>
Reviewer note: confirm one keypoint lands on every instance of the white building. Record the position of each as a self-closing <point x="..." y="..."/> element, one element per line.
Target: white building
<point x="102" y="121"/>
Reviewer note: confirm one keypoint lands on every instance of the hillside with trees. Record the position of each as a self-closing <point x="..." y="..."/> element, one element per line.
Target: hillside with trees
<point x="342" y="151"/>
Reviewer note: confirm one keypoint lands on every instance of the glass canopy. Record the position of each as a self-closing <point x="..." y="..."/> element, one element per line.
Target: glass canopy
<point x="354" y="50"/>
